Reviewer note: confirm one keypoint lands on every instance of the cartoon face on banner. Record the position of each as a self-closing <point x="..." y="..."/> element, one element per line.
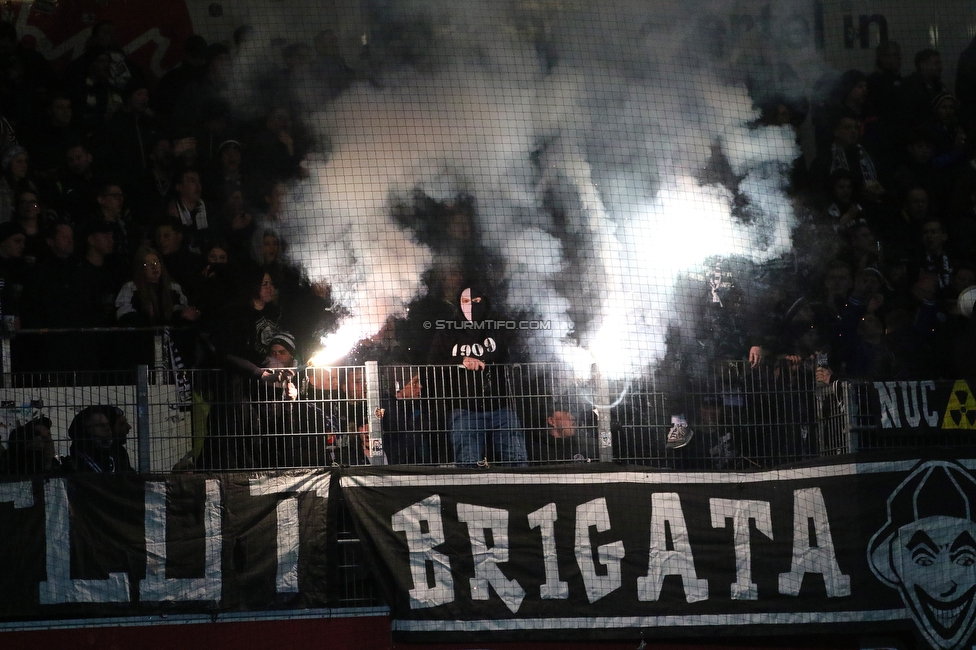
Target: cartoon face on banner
<point x="927" y="551"/>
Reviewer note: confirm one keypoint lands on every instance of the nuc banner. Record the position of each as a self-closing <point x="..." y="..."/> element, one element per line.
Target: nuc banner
<point x="912" y="407"/>
<point x="586" y="552"/>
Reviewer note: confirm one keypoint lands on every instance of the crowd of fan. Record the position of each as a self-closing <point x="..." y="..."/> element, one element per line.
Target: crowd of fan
<point x="130" y="202"/>
<point x="888" y="222"/>
<point x="126" y="202"/>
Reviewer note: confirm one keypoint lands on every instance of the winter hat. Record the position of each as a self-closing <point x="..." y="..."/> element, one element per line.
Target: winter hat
<point x="285" y="340"/>
<point x="227" y="144"/>
<point x="941" y="97"/>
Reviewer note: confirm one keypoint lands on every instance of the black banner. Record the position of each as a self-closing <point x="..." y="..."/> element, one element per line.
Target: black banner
<point x="583" y="552"/>
<point x="95" y="545"/>
<point x="912" y="407"/>
<point x="609" y="554"/>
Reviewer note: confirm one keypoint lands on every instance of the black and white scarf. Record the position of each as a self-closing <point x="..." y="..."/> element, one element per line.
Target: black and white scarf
<point x="839" y="161"/>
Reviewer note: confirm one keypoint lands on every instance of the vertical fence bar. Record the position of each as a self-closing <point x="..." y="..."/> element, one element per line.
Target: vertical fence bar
<point x="375" y="413"/>
<point x="142" y="419"/>
<point x="851" y="412"/>
<point x="159" y="358"/>
<point x="7" y="378"/>
<point x="602" y="393"/>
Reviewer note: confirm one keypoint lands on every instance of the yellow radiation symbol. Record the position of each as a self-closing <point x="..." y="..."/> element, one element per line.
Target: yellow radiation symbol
<point x="961" y="409"/>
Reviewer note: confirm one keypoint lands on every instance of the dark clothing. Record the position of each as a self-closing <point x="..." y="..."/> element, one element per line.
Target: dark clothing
<point x="481" y="410"/>
<point x="148" y="196"/>
<point x="48" y="145"/>
<point x="92" y="103"/>
<point x="56" y="297"/>
<point x="15" y="274"/>
<point x="123" y="144"/>
<point x="966" y="82"/>
<point x="86" y="456"/>
<point x="217" y="294"/>
<point x="101" y="285"/>
<point x="479" y="390"/>
<point x="20" y="460"/>
<point x="918" y="93"/>
<point x="239" y="342"/>
<point x="78" y="196"/>
<point x="416" y="340"/>
<point x="174" y="82"/>
<point x="267" y="156"/>
<point x="245" y="333"/>
<point x="857" y="160"/>
<point x="186" y="269"/>
<point x="885" y="95"/>
<point x="201" y="99"/>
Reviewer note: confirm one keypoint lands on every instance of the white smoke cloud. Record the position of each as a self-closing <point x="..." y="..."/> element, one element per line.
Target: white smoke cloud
<point x="581" y="132"/>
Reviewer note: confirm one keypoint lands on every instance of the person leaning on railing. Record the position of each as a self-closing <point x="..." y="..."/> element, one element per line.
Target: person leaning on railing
<point x="477" y="384"/>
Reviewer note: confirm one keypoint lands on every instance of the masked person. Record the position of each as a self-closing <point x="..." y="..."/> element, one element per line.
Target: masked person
<point x="477" y="385"/>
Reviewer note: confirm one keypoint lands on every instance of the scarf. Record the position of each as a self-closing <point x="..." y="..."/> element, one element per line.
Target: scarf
<point x="839" y="161"/>
<point x="196" y="221"/>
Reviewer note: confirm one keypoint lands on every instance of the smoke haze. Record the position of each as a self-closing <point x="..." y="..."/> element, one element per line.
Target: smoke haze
<point x="581" y="132"/>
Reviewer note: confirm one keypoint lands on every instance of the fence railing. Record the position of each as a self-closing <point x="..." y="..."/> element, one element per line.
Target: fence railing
<point x="742" y="418"/>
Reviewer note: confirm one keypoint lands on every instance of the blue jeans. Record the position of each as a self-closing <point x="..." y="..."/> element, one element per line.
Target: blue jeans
<point x="470" y="430"/>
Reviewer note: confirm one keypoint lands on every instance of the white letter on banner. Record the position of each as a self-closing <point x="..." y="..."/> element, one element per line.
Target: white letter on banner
<point x="595" y="513"/>
<point x="931" y="417"/>
<point x="286" y="542"/>
<point x="543" y="519"/>
<point x="909" y="397"/>
<point x="889" y="404"/>
<point x="156" y="586"/>
<point x="740" y="512"/>
<point x="666" y="516"/>
<point x="59" y="587"/>
<point x="422" y="554"/>
<point x="20" y="493"/>
<point x="808" y="505"/>
<point x="486" y="560"/>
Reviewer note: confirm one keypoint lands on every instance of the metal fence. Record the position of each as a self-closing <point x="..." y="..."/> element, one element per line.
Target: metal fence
<point x="355" y="415"/>
<point x="743" y="418"/>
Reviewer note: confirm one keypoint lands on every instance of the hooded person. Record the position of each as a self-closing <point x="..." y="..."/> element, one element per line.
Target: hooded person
<point x="477" y="348"/>
<point x="98" y="436"/>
